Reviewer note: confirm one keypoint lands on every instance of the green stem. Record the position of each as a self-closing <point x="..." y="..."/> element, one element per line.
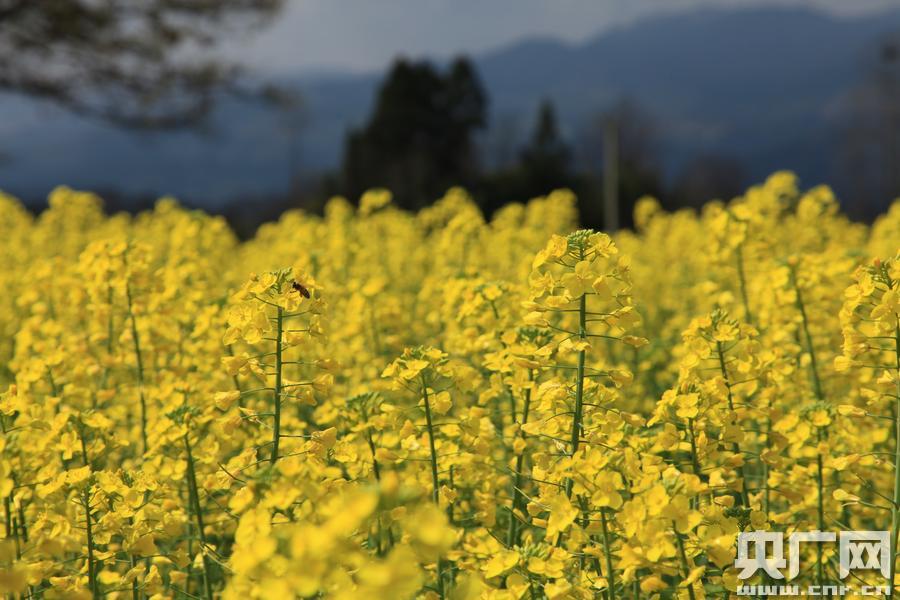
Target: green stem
<point x="766" y="494"/>
<point x="512" y="534"/>
<point x="276" y="435"/>
<point x="820" y="513"/>
<point x="895" y="505"/>
<point x="585" y="523"/>
<point x="194" y="496"/>
<point x="577" y="425"/>
<point x="435" y="484"/>
<point x="15" y="526"/>
<point x="235" y="380"/>
<point x="817" y="382"/>
<point x="743" y="495"/>
<point x="135" y="591"/>
<point x="682" y="557"/>
<point x="376" y="470"/>
<point x="92" y="574"/>
<point x="23" y="524"/>
<point x="820" y="396"/>
<point x="7" y="507"/>
<point x="607" y="550"/>
<point x="86" y="501"/>
<point x="140" y="367"/>
<point x="695" y="459"/>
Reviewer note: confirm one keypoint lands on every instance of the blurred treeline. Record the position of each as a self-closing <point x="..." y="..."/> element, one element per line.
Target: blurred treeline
<point x="154" y="65"/>
<point x="428" y="131"/>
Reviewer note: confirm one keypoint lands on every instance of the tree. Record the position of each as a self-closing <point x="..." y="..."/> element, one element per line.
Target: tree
<point x="547" y="158"/>
<point x="870" y="145"/>
<point x="544" y="164"/>
<point x="419" y="139"/>
<point x="137" y="63"/>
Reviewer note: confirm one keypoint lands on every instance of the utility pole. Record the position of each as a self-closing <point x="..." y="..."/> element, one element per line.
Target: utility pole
<point x="290" y="118"/>
<point x="610" y="175"/>
<point x="890" y="84"/>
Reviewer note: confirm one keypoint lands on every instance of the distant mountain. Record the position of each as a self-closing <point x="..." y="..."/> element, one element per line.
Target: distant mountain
<point x="759" y="85"/>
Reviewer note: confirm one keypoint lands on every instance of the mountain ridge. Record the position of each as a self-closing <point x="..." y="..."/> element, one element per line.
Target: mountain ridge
<point x="758" y="84"/>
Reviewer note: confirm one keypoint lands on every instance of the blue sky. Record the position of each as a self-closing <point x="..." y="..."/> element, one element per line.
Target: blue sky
<point x="362" y="35"/>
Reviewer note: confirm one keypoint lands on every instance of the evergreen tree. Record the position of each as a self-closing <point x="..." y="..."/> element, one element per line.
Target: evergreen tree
<point x="547" y="158"/>
<point x="418" y="141"/>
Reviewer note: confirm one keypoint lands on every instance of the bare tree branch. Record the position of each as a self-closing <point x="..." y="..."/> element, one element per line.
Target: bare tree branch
<point x="135" y="63"/>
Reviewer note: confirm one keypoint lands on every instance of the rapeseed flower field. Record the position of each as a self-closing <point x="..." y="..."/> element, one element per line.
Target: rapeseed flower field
<point x="378" y="404"/>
